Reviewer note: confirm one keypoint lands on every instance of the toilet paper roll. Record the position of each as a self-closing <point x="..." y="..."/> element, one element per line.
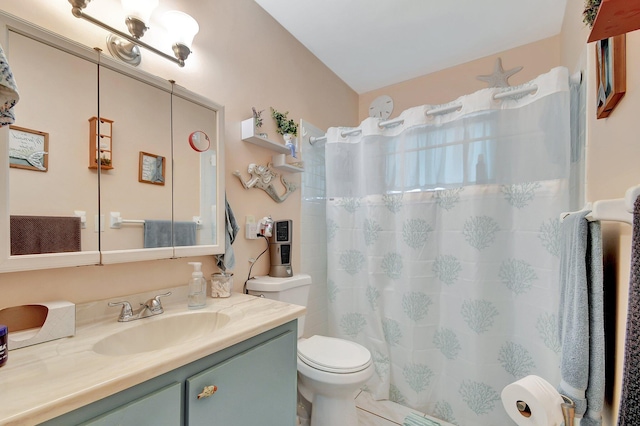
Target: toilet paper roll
<point x="532" y="401"/>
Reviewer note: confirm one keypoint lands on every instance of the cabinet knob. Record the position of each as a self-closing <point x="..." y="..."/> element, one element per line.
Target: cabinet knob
<point x="207" y="391"/>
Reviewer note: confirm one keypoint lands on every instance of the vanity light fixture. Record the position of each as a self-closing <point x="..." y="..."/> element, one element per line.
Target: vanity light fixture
<point x="182" y="29"/>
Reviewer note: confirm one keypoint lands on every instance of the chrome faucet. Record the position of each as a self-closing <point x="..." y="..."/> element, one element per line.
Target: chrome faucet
<point x="150" y="308"/>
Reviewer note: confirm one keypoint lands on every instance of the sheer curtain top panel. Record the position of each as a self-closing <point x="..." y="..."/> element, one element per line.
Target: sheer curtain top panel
<point x="485" y="140"/>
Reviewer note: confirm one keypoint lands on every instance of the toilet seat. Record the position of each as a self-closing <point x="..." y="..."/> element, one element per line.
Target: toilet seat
<point x="333" y="355"/>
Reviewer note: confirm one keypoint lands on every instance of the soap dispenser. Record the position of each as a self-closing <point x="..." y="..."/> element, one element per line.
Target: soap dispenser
<point x="197" y="288"/>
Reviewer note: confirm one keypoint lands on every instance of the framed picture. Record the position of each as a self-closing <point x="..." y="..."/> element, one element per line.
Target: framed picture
<point x="151" y="169"/>
<point x="611" y="73"/>
<point x="28" y="149"/>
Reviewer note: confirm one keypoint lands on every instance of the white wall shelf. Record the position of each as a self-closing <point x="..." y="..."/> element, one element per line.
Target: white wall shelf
<point x="279" y="163"/>
<point x="249" y="135"/>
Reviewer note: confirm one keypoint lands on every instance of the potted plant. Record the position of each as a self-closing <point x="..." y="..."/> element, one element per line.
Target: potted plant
<point x="287" y="128"/>
<point x="104" y="161"/>
<point x="590" y="11"/>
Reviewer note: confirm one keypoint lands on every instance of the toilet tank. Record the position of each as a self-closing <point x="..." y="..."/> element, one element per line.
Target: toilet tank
<point x="293" y="290"/>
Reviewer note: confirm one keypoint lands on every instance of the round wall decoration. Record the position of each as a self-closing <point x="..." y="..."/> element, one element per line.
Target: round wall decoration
<point x="381" y="107"/>
<point x="199" y="141"/>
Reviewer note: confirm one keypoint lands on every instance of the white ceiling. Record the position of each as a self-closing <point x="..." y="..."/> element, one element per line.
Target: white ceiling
<point x="371" y="44"/>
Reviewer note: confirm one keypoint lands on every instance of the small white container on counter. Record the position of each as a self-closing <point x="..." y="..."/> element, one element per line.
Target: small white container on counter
<point x="221" y="284"/>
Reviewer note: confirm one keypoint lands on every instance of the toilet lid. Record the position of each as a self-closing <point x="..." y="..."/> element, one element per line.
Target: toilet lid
<point x="333" y="355"/>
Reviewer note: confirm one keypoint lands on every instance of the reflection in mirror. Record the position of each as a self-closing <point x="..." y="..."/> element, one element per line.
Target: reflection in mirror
<point x="199" y="141"/>
<point x="48" y="180"/>
<point x="194" y="182"/>
<point x="94" y="121"/>
<point x="140" y="121"/>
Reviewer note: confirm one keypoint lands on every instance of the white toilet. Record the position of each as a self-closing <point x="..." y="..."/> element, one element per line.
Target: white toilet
<point x="330" y="370"/>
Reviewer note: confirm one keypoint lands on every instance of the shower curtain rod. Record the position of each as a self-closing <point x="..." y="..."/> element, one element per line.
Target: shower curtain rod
<point x="435" y="111"/>
<point x="313" y="139"/>
<point x="575" y="78"/>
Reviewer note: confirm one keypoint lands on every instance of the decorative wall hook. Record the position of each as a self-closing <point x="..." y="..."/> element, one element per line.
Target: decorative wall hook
<point x="263" y="177"/>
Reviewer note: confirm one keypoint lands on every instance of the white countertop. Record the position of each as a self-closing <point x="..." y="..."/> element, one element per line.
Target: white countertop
<point x="43" y="381"/>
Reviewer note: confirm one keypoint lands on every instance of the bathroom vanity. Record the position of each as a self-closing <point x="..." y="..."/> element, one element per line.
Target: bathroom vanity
<point x="250" y="356"/>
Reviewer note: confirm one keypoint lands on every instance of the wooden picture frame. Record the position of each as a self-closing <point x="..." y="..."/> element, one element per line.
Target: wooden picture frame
<point x="151" y="168"/>
<point x="611" y="73"/>
<point x="28" y="149"/>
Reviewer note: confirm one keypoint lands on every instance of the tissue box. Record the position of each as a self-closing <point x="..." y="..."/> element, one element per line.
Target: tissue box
<point x="38" y="323"/>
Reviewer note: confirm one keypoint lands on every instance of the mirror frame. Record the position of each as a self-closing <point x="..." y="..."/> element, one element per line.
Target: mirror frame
<point x="9" y="263"/>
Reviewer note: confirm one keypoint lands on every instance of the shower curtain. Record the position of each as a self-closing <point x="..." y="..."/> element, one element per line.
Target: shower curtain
<point x="443" y="245"/>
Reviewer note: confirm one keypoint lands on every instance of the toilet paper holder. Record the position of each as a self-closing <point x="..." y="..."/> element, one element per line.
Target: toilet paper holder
<point x="568" y="408"/>
<point x="523" y="408"/>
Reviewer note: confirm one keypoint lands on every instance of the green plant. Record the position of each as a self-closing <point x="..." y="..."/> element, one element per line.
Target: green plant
<point x="590" y="11"/>
<point x="284" y="124"/>
<point x="104" y="161"/>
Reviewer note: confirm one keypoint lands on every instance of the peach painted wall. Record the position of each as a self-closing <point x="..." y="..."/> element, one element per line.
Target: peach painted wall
<point x="242" y="58"/>
<point x="611" y="168"/>
<point x="446" y="85"/>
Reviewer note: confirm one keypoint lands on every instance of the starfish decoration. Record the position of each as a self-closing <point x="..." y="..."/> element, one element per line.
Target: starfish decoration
<point x="499" y="76"/>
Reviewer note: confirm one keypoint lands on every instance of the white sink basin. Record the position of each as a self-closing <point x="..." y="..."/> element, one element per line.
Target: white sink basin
<point x="159" y="332"/>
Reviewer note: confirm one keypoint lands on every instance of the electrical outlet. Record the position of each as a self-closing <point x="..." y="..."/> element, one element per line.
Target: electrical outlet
<point x="250" y="228"/>
<point x="251" y="231"/>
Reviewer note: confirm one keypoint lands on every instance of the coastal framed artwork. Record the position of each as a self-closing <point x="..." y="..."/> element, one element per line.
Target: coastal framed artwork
<point x="611" y="73"/>
<point x="151" y="169"/>
<point x="28" y="149"/>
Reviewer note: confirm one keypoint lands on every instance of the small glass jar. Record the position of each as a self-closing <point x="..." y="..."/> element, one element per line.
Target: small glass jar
<point x="221" y="284"/>
<point x="4" y="349"/>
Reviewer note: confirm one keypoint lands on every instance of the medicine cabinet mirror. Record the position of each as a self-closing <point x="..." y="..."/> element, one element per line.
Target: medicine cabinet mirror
<point x="76" y="213"/>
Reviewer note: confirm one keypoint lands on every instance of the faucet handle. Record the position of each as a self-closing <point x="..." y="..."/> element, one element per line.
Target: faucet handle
<point x="155" y="305"/>
<point x="126" y="312"/>
<point x="162" y="295"/>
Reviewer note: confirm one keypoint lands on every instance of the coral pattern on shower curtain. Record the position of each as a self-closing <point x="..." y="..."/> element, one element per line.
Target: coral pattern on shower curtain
<point x="455" y="290"/>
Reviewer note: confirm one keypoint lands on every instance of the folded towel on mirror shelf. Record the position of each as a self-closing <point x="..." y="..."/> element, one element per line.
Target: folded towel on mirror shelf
<point x="157" y="233"/>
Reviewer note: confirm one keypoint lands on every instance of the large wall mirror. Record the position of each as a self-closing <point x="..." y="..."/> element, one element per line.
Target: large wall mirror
<point x="105" y="163"/>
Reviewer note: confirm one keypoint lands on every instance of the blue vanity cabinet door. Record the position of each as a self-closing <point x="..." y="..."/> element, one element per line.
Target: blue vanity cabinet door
<point x="256" y="380"/>
<point x="255" y="387"/>
<point x="163" y="406"/>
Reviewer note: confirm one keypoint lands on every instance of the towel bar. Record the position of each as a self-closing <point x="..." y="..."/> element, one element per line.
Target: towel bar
<point x="116" y="221"/>
<point x="617" y="210"/>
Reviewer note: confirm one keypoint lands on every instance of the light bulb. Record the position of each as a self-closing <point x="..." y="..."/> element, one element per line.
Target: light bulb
<point x="139" y="9"/>
<point x="182" y="28"/>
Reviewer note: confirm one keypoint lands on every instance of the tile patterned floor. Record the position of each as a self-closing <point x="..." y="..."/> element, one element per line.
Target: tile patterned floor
<point x="384" y="413"/>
